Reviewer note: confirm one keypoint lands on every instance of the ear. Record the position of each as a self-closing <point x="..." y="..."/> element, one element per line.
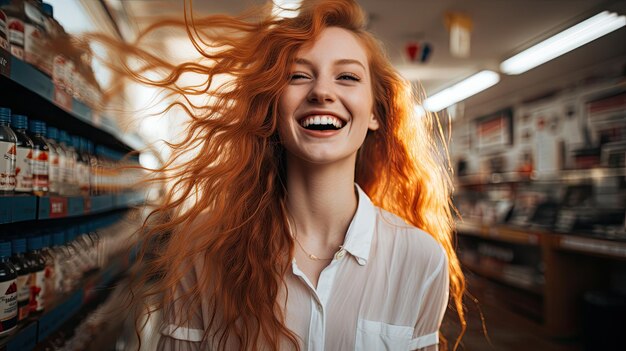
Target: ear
<point x="373" y="123"/>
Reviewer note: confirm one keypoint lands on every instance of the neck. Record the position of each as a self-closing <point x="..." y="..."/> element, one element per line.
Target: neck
<point x="321" y="200"/>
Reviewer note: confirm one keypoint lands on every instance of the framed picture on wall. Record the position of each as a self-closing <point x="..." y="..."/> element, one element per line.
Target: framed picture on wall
<point x="494" y="130"/>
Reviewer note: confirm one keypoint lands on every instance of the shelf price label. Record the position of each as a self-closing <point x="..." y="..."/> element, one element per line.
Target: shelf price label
<point x="87" y="204"/>
<point x="62" y="99"/>
<point x="58" y="207"/>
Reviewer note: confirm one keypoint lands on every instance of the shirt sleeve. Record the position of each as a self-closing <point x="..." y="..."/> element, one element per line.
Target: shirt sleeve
<point x="434" y="302"/>
<point x="177" y="333"/>
<point x="168" y="343"/>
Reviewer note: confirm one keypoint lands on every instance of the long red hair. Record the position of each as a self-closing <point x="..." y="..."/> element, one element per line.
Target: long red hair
<point x="237" y="221"/>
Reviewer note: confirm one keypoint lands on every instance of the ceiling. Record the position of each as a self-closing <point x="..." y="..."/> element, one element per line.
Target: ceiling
<point x="501" y="28"/>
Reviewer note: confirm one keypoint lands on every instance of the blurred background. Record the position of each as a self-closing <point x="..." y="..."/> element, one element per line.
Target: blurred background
<point x="533" y="95"/>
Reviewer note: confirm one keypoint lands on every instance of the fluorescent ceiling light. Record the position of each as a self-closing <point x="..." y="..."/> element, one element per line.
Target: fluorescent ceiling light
<point x="286" y="8"/>
<point x="568" y="40"/>
<point x="462" y="90"/>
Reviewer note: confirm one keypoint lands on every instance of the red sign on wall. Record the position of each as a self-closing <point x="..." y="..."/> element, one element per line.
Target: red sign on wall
<point x="495" y="130"/>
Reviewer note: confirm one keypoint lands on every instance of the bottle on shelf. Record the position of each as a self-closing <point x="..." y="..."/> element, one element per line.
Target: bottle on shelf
<point x="38" y="274"/>
<point x="85" y="187"/>
<point x="72" y="158"/>
<point x="108" y="171"/>
<point x="8" y="145"/>
<point x="58" y="71"/>
<point x="82" y="245"/>
<point x="23" y="270"/>
<point x="56" y="159"/>
<point x="93" y="169"/>
<point x="94" y="239"/>
<point x="58" y="253"/>
<point x="70" y="74"/>
<point x="4" y="28"/>
<point x="58" y="42"/>
<point x="66" y="172"/>
<point x="8" y="289"/>
<point x="35" y="35"/>
<point x="55" y="33"/>
<point x="73" y="272"/>
<point x="16" y="21"/>
<point x="82" y="166"/>
<point x="23" y="155"/>
<point x="78" y="253"/>
<point x="50" y="273"/>
<point x="41" y="167"/>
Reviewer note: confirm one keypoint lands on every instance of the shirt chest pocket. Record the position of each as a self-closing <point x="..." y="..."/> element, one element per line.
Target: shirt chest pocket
<point x="378" y="336"/>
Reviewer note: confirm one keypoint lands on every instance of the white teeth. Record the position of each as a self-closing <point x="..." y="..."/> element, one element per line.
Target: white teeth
<point x="321" y="120"/>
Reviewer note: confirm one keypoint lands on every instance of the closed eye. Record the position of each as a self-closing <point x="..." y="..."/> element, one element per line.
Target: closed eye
<point x="296" y="76"/>
<point x="349" y="76"/>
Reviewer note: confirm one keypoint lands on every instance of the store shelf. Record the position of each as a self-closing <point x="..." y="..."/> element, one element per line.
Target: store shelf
<point x="53" y="318"/>
<point x="592" y="246"/>
<point x="493" y="178"/>
<point x="498" y="232"/>
<point x="561" y="176"/>
<point x="28" y="91"/>
<point x="567" y="242"/>
<point x="20" y="208"/>
<point x="500" y="276"/>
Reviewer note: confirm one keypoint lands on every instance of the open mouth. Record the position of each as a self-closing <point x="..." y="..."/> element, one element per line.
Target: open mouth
<point x="322" y="122"/>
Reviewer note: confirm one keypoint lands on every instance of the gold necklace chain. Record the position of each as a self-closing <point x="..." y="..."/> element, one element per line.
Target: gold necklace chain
<point x="309" y="255"/>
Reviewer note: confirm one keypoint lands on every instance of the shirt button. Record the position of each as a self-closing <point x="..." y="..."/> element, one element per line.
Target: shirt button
<point x="360" y="261"/>
<point x="340" y="254"/>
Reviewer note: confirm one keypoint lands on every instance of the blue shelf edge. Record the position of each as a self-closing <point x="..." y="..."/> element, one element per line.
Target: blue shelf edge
<point x="25" y="339"/>
<point x="17" y="208"/>
<point x="54" y="319"/>
<point x="21" y="208"/>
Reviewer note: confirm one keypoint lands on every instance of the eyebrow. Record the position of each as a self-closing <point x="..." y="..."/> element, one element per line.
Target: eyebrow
<point x="337" y="62"/>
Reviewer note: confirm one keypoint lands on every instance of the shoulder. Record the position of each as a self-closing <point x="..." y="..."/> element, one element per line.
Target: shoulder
<point x="409" y="243"/>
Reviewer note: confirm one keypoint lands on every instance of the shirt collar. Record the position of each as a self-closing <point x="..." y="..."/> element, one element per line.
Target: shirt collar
<point x="358" y="239"/>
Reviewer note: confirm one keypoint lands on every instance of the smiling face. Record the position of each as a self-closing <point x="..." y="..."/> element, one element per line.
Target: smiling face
<point x="326" y="109"/>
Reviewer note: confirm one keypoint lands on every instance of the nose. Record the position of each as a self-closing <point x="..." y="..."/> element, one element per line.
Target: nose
<point x="321" y="91"/>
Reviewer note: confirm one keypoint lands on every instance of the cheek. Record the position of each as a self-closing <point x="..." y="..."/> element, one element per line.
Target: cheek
<point x="289" y="100"/>
<point x="285" y="113"/>
<point x="362" y="106"/>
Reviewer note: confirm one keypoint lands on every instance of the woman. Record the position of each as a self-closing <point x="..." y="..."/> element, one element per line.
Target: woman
<point x="322" y="217"/>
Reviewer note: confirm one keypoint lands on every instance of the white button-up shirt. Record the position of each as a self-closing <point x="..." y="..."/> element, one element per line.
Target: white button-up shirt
<point x="386" y="289"/>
